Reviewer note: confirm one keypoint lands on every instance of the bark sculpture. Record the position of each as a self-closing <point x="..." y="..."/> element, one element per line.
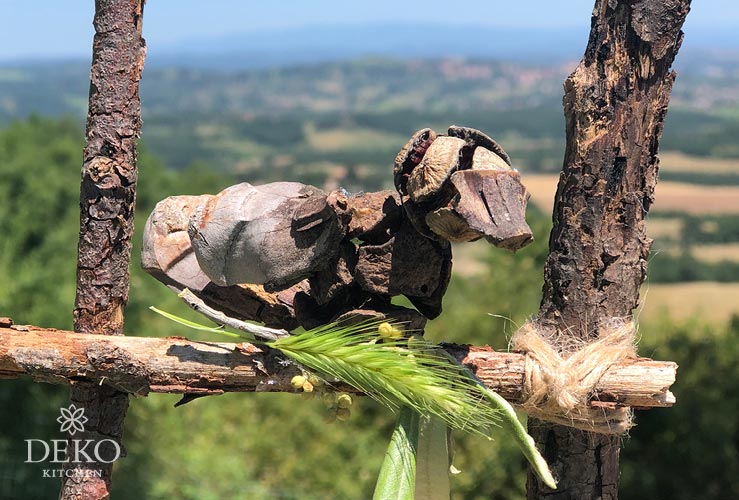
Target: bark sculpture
<point x="289" y="255"/>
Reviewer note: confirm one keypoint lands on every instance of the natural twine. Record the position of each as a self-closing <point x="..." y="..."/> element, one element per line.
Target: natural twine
<point x="560" y="379"/>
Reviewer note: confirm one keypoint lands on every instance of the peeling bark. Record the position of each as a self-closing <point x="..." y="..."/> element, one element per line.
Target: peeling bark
<point x="107" y="200"/>
<point x="140" y="365"/>
<point x="615" y="104"/>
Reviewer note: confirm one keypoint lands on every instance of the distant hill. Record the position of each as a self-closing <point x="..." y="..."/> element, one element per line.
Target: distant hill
<point x="405" y="39"/>
<point x="343" y="121"/>
<point x="305" y="45"/>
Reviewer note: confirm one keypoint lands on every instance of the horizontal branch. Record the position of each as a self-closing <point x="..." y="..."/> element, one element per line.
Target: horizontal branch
<point x="140" y="365"/>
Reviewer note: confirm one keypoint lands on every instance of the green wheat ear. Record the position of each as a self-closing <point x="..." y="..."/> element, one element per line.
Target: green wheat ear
<point x="395" y="372"/>
<point x="411" y="373"/>
<point x="399" y="372"/>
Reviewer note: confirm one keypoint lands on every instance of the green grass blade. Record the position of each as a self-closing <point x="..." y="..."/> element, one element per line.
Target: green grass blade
<point x="525" y="442"/>
<point x="197" y="326"/>
<point x="397" y="477"/>
<point x="432" y="459"/>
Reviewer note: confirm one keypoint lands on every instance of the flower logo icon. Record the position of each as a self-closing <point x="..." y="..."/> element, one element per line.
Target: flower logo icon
<point x="73" y="419"/>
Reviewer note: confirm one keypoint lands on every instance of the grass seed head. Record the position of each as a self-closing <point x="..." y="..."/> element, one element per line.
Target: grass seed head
<point x="298" y="381"/>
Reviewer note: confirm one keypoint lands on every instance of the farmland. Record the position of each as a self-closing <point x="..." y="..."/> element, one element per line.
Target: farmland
<point x="670" y="196"/>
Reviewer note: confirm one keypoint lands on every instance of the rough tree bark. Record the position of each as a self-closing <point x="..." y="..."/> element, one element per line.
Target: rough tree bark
<point x="107" y="199"/>
<point x="140" y="365"/>
<point x="615" y="104"/>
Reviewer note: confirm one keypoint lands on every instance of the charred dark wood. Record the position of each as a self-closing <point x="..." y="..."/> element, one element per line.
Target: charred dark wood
<point x="374" y="217"/>
<point x="615" y="104"/>
<point x="336" y="278"/>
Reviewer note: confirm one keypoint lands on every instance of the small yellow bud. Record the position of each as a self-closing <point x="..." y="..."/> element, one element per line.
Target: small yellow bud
<point x="298" y="381"/>
<point x="307" y="387"/>
<point x="388" y="331"/>
<point x="316" y="381"/>
<point x="344" y="401"/>
<point x="343" y="414"/>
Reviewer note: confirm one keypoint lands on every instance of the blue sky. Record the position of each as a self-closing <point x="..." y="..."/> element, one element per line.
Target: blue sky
<point x="54" y="28"/>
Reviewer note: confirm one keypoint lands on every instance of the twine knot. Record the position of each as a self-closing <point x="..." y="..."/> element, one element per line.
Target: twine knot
<point x="561" y="374"/>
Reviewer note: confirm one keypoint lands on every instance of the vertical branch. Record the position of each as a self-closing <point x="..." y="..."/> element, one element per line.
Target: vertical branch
<point x="107" y="200"/>
<point x="615" y="104"/>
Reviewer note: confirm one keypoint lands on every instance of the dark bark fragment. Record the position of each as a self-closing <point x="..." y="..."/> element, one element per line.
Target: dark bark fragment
<point x="615" y="104"/>
<point x="410" y="265"/>
<point x="493" y="204"/>
<point x="478" y="139"/>
<point x="107" y="201"/>
<point x="337" y="277"/>
<point x="374" y="216"/>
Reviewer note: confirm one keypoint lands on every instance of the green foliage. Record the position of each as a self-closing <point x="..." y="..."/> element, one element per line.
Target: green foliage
<point x="666" y="268"/>
<point x="710" y="229"/>
<point x="39" y="216"/>
<point x="692" y="449"/>
<point x="488" y="306"/>
<point x="397" y="478"/>
<point x="396" y="373"/>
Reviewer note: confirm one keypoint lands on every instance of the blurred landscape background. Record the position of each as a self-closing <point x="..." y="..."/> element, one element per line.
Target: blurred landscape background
<point x="329" y="101"/>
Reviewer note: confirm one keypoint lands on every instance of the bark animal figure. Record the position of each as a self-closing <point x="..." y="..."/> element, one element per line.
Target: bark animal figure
<point x="287" y="254"/>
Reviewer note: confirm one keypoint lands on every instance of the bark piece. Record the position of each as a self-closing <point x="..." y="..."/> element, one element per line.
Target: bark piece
<point x="478" y="139"/>
<point x="275" y="234"/>
<point x="311" y="314"/>
<point x="411" y="155"/>
<point x="442" y="158"/>
<point x="168" y="256"/>
<point x="417" y="212"/>
<point x="374" y="264"/>
<point x="107" y="206"/>
<point x="493" y="204"/>
<point x="374" y="216"/>
<point x="410" y="265"/>
<point x="335" y="278"/>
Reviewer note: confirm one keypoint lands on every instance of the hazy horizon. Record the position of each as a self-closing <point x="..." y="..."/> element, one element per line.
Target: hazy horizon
<point x="63" y="31"/>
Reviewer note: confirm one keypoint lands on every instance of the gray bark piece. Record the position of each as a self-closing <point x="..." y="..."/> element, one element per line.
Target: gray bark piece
<point x="275" y="234"/>
<point x="167" y="254"/>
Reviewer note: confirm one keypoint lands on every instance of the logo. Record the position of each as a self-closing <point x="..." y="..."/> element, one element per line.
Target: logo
<point x="73" y="419"/>
<point x="72" y="451"/>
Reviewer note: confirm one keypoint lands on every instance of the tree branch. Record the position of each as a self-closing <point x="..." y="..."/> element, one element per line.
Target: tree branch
<point x="615" y="105"/>
<point x="107" y="203"/>
<point x="140" y="365"/>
